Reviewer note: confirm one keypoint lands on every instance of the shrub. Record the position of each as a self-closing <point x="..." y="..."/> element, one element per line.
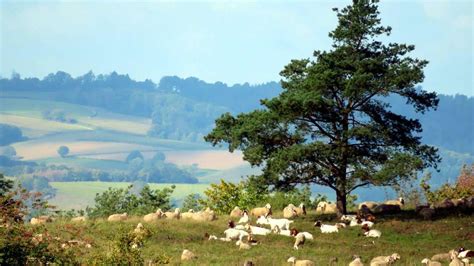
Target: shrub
<point x="10" y="134"/>
<point x="191" y="202"/>
<point x="63" y="151"/>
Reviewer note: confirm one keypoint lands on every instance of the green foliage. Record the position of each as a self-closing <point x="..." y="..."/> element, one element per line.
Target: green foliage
<point x="38" y="184"/>
<point x="191" y="201"/>
<point x="120" y="200"/>
<point x="63" y="151"/>
<point x="5" y="185"/>
<point x="10" y="134"/>
<point x="464" y="187"/>
<point x="332" y="124"/>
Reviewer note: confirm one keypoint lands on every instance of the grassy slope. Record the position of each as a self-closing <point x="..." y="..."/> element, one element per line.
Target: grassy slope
<point x="77" y="195"/>
<point x="412" y="239"/>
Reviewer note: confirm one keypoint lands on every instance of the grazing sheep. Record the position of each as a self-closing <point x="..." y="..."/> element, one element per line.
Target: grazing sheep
<point x="236" y="212"/>
<point x="153" y="216"/>
<point x="299" y="240"/>
<point x="384" y="208"/>
<point x="429" y="262"/>
<point x="368" y="204"/>
<point x="300" y="262"/>
<point x="289" y="211"/>
<point x="173" y="215"/>
<point x="117" y="217"/>
<point x="400" y="202"/>
<point x="235" y="234"/>
<point x="265" y="211"/>
<point x="188" y="215"/>
<point x="79" y="219"/>
<point x="326" y="228"/>
<point x="326" y="207"/>
<point x="41" y="220"/>
<point x="442" y="257"/>
<point x="384" y="260"/>
<point x="188" y="255"/>
<point x="242" y="245"/>
<point x="255" y="230"/>
<point x="245" y="218"/>
<point x="356" y="261"/>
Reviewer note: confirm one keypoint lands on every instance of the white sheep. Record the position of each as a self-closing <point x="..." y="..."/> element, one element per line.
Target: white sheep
<point x="299" y="240"/>
<point x="326" y="228"/>
<point x="373" y="233"/>
<point x="384" y="260"/>
<point x="255" y="230"/>
<point x="79" y="219"/>
<point x="236" y="212"/>
<point x="188" y="215"/>
<point x="173" y="215"/>
<point x="289" y="211"/>
<point x="242" y="245"/>
<point x="356" y="261"/>
<point x="348" y="217"/>
<point x="153" y="216"/>
<point x="117" y="217"/>
<point x="442" y="257"/>
<point x="279" y="231"/>
<point x="465" y="253"/>
<point x="300" y="262"/>
<point x="265" y="211"/>
<point x="41" y="220"/>
<point x="307" y="235"/>
<point x="400" y="202"/>
<point x="326" y="207"/>
<point x="360" y="222"/>
<point x="281" y="223"/>
<point x="455" y="261"/>
<point x="235" y="234"/>
<point x="188" y="255"/>
<point x="429" y="262"/>
<point x="244" y="219"/>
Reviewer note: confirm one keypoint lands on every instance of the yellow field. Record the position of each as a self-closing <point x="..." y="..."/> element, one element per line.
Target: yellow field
<point x="140" y="126"/>
<point x="207" y="159"/>
<point x="34" y="150"/>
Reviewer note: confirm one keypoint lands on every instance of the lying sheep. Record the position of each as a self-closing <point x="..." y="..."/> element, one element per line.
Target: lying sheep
<point x="429" y="262"/>
<point x="289" y="211"/>
<point x="173" y="215"/>
<point x="117" y="217"/>
<point x="307" y="235"/>
<point x="326" y="207"/>
<point x="299" y="240"/>
<point x="400" y="202"/>
<point x="41" y="220"/>
<point x="244" y="219"/>
<point x="384" y="208"/>
<point x="281" y="223"/>
<point x="446" y="257"/>
<point x="368" y="204"/>
<point x="255" y="230"/>
<point x="384" y="260"/>
<point x="153" y="216"/>
<point x="279" y="231"/>
<point x="357" y="261"/>
<point x="455" y="261"/>
<point x="326" y="228"/>
<point x="265" y="211"/>
<point x="188" y="215"/>
<point x="300" y="262"/>
<point x="79" y="219"/>
<point x="371" y="232"/>
<point x="235" y="234"/>
<point x="242" y="245"/>
<point x="187" y="255"/>
<point x="465" y="253"/>
<point x="236" y="212"/>
<point x="204" y="216"/>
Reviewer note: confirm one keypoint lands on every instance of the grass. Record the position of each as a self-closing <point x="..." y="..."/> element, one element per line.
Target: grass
<point x="78" y="195"/>
<point x="411" y="238"/>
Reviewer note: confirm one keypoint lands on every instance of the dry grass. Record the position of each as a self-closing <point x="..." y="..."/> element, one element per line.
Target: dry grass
<point x="207" y="159"/>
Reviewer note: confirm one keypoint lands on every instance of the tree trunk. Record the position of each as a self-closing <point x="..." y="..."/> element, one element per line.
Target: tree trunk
<point x="341" y="203"/>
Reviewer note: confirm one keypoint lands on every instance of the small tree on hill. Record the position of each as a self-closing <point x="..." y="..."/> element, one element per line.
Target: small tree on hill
<point x="63" y="151"/>
<point x="331" y="124"/>
<point x="133" y="155"/>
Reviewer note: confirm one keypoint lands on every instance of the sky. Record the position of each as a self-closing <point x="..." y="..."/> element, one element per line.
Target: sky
<point x="232" y="42"/>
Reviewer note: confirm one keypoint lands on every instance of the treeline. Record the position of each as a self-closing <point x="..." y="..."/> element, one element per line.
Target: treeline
<point x="186" y="109"/>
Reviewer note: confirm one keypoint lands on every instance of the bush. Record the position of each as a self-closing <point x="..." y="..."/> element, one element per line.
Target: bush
<point x="120" y="200"/>
<point x="192" y="202"/>
<point x="133" y="155"/>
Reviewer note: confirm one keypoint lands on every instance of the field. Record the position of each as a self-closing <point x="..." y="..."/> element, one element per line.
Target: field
<point x="78" y="195"/>
<point x="411" y="238"/>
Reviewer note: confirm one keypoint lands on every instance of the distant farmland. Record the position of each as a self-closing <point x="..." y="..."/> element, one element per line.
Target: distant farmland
<point x="79" y="195"/>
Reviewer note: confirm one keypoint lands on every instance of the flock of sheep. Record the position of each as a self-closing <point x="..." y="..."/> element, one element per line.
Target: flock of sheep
<point x="243" y="232"/>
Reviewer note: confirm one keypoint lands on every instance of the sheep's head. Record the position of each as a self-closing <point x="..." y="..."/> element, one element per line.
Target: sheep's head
<point x="231" y="224"/>
<point x="139" y="226"/>
<point x="268" y="206"/>
<point x="425" y="261"/>
<point x="293" y="232"/>
<point x="355" y="256"/>
<point x="318" y="224"/>
<point x="365" y="227"/>
<point x="395" y="256"/>
<point x="402" y="201"/>
<point x="291" y="260"/>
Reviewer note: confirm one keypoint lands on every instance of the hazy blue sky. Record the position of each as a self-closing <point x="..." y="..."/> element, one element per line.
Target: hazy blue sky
<point x="233" y="42"/>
